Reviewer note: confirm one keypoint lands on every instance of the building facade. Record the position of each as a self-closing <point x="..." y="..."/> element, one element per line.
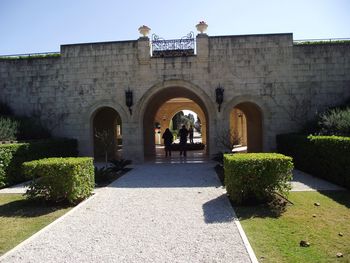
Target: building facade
<point x="275" y="83"/>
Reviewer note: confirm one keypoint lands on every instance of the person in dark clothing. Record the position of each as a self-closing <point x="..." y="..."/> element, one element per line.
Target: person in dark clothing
<point x="190" y="131"/>
<point x="183" y="133"/>
<point x="168" y="140"/>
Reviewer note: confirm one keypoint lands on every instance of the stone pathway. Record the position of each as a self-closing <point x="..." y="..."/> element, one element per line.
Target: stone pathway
<point x="301" y="181"/>
<point x="16" y="189"/>
<point x="306" y="182"/>
<point x="155" y="213"/>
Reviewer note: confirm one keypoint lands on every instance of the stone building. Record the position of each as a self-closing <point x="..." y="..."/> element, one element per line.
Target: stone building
<point x="270" y="85"/>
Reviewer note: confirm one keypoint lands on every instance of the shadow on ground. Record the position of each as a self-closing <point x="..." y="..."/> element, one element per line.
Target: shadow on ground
<point x="341" y="197"/>
<point x="168" y="176"/>
<point x="218" y="210"/>
<point x="28" y="208"/>
<point x="258" y="211"/>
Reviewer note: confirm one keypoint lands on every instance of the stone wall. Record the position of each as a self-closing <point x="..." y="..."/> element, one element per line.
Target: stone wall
<point x="289" y="83"/>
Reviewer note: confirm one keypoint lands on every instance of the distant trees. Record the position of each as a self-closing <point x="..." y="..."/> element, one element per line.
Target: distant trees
<point x="180" y="119"/>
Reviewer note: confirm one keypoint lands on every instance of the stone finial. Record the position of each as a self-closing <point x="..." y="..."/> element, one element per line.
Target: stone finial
<point x="202" y="27"/>
<point x="144" y="30"/>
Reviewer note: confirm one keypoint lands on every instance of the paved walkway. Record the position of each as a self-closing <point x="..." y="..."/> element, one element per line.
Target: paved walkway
<point x="155" y="213"/>
<point x="301" y="181"/>
<point x="16" y="189"/>
<point x="306" y="182"/>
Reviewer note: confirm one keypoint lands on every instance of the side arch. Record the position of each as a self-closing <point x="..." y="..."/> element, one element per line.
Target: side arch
<point x="256" y="114"/>
<point x="89" y="115"/>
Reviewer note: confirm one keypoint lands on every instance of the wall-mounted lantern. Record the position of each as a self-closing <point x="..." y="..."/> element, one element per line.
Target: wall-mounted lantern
<point x="219" y="94"/>
<point x="129" y="99"/>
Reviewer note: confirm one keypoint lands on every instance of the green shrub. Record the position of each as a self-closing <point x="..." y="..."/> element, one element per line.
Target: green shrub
<point x="335" y="122"/>
<point x="60" y="179"/>
<point x="255" y="177"/>
<point x="103" y="176"/>
<point x="327" y="157"/>
<point x="118" y="165"/>
<point x="8" y="129"/>
<point x="106" y="175"/>
<point x="13" y="155"/>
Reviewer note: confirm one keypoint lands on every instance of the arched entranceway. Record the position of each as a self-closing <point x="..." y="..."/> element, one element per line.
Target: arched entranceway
<point x="246" y="124"/>
<point x="170" y="108"/>
<point x="107" y="134"/>
<point x="153" y="110"/>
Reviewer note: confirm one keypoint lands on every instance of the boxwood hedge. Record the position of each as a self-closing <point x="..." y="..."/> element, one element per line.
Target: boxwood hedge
<point x="327" y="157"/>
<point x="60" y="179"/>
<point x="255" y="177"/>
<point x="13" y="155"/>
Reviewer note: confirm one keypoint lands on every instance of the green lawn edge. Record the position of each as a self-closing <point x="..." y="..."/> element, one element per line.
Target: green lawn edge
<point x="276" y="239"/>
<point x="20" y="219"/>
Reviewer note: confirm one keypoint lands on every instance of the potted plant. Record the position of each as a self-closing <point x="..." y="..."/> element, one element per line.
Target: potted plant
<point x="202" y="27"/>
<point x="144" y="30"/>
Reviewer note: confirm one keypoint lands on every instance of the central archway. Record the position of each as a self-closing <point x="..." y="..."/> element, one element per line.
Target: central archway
<point x="155" y="102"/>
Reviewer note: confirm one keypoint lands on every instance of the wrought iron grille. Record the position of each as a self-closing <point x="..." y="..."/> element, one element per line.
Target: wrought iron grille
<point x="174" y="47"/>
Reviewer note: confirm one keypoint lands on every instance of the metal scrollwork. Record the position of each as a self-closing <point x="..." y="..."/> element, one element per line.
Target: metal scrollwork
<point x="174" y="47"/>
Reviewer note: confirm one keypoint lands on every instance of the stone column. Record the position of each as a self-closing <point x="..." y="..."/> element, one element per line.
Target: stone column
<point x="132" y="142"/>
<point x="143" y="50"/>
<point x="202" y="45"/>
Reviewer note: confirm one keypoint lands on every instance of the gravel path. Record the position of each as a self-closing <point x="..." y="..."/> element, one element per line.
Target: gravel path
<point x="155" y="213"/>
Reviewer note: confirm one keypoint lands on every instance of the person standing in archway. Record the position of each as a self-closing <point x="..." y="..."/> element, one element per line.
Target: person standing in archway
<point x="183" y="133"/>
<point x="190" y="131"/>
<point x="168" y="140"/>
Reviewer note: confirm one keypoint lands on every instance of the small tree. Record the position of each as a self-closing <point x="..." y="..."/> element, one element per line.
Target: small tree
<point x="106" y="139"/>
<point x="228" y="139"/>
<point x="8" y="128"/>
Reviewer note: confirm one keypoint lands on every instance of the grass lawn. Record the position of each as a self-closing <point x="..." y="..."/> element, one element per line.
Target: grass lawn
<point x="20" y="218"/>
<point x="276" y="239"/>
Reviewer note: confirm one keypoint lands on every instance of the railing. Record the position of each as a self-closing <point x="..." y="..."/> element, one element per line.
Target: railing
<point x="31" y="55"/>
<point x="174" y="47"/>
<point x="321" y="41"/>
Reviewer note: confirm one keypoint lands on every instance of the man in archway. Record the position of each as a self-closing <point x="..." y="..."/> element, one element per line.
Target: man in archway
<point x="183" y="133"/>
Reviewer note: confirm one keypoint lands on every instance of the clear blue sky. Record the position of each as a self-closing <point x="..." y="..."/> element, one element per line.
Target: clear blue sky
<point x="28" y="26"/>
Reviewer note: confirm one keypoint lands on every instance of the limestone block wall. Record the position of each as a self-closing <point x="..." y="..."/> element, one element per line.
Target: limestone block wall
<point x="243" y="64"/>
<point x="289" y="83"/>
<point x="29" y="86"/>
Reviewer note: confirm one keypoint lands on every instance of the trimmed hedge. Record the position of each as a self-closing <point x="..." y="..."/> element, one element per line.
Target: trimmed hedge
<point x="13" y="155"/>
<point x="255" y="177"/>
<point x="327" y="157"/>
<point x="60" y="179"/>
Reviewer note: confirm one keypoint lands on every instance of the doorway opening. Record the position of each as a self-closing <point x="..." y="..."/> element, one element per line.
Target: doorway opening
<point x="246" y="127"/>
<point x="107" y="134"/>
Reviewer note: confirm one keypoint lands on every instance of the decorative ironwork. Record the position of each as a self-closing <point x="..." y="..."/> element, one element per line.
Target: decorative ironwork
<point x="322" y="41"/>
<point x="174" y="47"/>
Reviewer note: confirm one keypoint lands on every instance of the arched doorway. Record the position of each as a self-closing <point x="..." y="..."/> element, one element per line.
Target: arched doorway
<point x="107" y="134"/>
<point x="170" y="108"/>
<point x="153" y="107"/>
<point x="246" y="126"/>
